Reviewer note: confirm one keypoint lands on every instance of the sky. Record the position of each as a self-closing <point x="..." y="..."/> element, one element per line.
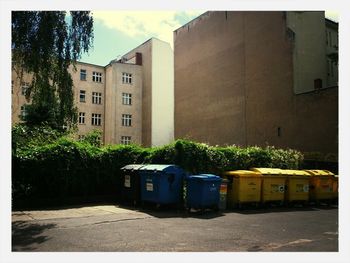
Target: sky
<point x="117" y="32"/>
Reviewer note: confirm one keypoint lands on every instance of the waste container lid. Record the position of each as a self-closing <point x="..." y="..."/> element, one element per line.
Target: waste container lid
<point x="267" y="171"/>
<point x="161" y="167"/>
<point x="319" y="172"/>
<point x="290" y="172"/>
<point x="204" y="177"/>
<point x="132" y="167"/>
<point x="242" y="173"/>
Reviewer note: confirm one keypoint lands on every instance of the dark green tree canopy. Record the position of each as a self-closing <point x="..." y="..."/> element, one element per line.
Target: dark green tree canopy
<point x="45" y="44"/>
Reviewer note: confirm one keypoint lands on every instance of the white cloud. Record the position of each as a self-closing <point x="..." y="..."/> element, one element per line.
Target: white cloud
<point x="159" y="24"/>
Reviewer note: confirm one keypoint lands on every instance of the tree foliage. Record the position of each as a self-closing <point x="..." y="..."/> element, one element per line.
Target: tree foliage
<point x="45" y="44"/>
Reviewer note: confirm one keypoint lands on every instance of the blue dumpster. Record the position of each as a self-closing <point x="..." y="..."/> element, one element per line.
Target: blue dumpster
<point x="161" y="184"/>
<point x="130" y="183"/>
<point x="203" y="191"/>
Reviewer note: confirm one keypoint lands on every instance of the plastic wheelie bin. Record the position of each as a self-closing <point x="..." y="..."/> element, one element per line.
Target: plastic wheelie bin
<point x="161" y="184"/>
<point x="321" y="185"/>
<point x="203" y="191"/>
<point x="243" y="187"/>
<point x="272" y="185"/>
<point x="130" y="190"/>
<point x="335" y="187"/>
<point x="297" y="187"/>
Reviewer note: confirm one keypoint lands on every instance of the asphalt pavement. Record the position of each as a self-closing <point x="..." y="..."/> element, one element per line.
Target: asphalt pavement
<point x="113" y="228"/>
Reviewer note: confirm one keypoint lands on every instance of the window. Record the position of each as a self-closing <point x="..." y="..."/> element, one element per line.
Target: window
<point x="97" y="98"/>
<point x="81" y="117"/>
<point x="126" y="119"/>
<point x="96" y="119"/>
<point x="96" y="76"/>
<point x="125" y="140"/>
<point x="83" y="74"/>
<point x="82" y="95"/>
<point x="23" y="112"/>
<point x="25" y="87"/>
<point x="330" y="38"/>
<point x="126" y="78"/>
<point x="126" y="99"/>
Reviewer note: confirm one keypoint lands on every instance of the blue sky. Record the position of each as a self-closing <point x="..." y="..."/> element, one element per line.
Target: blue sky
<point x="117" y="32"/>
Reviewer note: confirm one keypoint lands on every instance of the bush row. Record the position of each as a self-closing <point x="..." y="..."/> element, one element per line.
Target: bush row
<point x="69" y="168"/>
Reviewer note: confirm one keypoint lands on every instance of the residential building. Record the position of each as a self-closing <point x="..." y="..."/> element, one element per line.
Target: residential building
<point x="258" y="78"/>
<point x="130" y="100"/>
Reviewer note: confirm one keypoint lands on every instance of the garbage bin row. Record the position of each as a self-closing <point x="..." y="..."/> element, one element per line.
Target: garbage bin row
<point x="169" y="184"/>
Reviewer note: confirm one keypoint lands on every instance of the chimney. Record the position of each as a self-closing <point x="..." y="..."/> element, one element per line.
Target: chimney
<point x="138" y="58"/>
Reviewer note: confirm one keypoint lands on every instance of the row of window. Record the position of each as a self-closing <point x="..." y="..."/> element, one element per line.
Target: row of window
<point x="123" y="139"/>
<point x="97" y="97"/>
<point x="97" y="76"/>
<point x="96" y="119"/>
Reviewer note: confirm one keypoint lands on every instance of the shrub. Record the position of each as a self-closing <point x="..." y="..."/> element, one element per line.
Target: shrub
<point x="52" y="165"/>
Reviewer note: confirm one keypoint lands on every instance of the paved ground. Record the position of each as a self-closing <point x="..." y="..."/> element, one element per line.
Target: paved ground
<point x="112" y="228"/>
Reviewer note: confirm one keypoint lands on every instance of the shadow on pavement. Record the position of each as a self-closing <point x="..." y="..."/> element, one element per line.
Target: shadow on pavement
<point x="25" y="234"/>
<point x="171" y="211"/>
<point x="279" y="209"/>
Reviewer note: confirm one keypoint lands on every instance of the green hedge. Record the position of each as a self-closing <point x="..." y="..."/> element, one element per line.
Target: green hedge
<point x="64" y="167"/>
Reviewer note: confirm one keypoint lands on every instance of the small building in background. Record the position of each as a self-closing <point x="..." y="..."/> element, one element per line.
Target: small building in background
<point x="130" y="100"/>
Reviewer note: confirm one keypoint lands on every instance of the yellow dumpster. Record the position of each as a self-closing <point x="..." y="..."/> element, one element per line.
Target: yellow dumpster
<point x="273" y="184"/>
<point x="335" y="187"/>
<point x="321" y="185"/>
<point x="244" y="187"/>
<point x="297" y="186"/>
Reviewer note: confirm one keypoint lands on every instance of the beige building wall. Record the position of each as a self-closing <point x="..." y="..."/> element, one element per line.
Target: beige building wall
<point x="114" y="107"/>
<point x="157" y="91"/>
<point x="162" y="93"/>
<point x="88" y="86"/>
<point x="209" y="79"/>
<point x="146" y="50"/>
<point x="152" y="91"/>
<point x="332" y="47"/>
<point x="309" y="59"/>
<point x="234" y="84"/>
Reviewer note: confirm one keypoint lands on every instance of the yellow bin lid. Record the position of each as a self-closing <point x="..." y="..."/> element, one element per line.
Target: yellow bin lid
<point x="242" y="173"/>
<point x="268" y="171"/>
<point x="319" y="172"/>
<point x="295" y="172"/>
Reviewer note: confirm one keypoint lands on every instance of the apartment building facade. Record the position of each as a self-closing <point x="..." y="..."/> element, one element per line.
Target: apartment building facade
<point x="121" y="99"/>
<point x="258" y="78"/>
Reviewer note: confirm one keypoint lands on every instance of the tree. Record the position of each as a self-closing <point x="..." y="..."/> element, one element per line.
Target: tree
<point x="45" y="44"/>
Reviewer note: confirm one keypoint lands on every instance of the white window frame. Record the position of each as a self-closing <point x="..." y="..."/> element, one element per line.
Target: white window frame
<point x="97" y="76"/>
<point x="126" y="78"/>
<point x="126" y="98"/>
<point x="24" y="88"/>
<point x="126" y="140"/>
<point x="81" y="117"/>
<point x="82" y="92"/>
<point x="126" y="120"/>
<point x="83" y="74"/>
<point x="96" y="98"/>
<point x="96" y="119"/>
